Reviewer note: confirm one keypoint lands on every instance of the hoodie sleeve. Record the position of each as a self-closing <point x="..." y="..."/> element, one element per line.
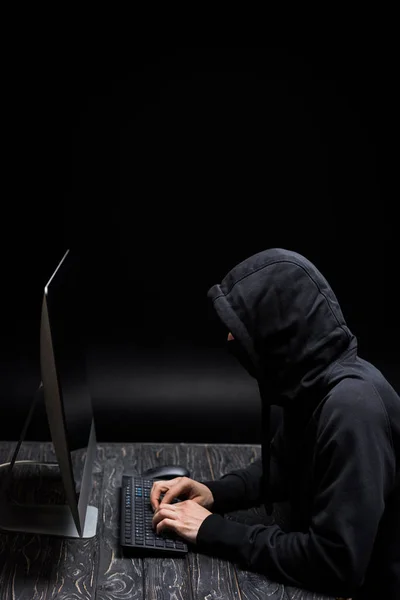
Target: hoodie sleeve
<point x="353" y="469"/>
<point x="240" y="489"/>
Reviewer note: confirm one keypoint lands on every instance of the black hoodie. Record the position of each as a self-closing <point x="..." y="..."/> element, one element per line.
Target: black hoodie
<point x="336" y="457"/>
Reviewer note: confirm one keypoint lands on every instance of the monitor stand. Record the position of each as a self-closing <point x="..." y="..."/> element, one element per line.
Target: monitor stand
<point x="46" y="519"/>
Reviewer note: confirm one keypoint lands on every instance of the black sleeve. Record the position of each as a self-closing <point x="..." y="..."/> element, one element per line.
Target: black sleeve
<point x="240" y="489"/>
<point x="354" y="468"/>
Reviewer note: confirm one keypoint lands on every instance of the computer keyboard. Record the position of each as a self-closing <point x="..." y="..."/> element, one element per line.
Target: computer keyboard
<point x="136" y="520"/>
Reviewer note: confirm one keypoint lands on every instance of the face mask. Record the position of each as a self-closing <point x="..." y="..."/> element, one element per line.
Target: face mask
<point x="241" y="355"/>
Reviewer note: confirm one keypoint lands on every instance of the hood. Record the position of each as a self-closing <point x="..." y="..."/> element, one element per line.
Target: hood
<point x="284" y="314"/>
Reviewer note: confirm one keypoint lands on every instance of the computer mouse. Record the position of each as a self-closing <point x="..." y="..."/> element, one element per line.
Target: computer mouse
<point x="166" y="472"/>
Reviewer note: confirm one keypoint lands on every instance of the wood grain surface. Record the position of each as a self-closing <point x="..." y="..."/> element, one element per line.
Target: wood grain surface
<point x="34" y="567"/>
<point x="37" y="567"/>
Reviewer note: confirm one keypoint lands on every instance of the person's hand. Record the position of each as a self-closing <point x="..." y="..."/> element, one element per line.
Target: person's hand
<point x="183" y="518"/>
<point x="182" y="488"/>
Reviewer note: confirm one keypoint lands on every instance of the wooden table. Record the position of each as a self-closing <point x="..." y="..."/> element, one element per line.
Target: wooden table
<point x="34" y="567"/>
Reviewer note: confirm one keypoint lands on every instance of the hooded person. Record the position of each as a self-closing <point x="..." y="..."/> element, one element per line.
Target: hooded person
<point x="336" y="455"/>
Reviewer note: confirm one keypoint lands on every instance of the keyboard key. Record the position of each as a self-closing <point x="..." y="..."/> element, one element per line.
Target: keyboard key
<point x="160" y="544"/>
<point x="169" y="544"/>
<point x="179" y="545"/>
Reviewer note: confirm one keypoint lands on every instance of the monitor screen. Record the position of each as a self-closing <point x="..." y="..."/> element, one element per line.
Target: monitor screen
<point x="68" y="408"/>
<point x="66" y="306"/>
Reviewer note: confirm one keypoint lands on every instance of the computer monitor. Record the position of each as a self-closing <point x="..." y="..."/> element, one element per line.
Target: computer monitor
<point x="68" y="407"/>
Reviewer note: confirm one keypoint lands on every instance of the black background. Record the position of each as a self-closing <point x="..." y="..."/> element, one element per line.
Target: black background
<point x="167" y="168"/>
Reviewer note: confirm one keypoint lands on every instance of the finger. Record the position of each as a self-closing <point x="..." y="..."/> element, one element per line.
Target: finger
<point x="168" y="524"/>
<point x="160" y="487"/>
<point x="164" y="513"/>
<point x="174" y="492"/>
<point x="166" y="506"/>
<point x="156" y="491"/>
